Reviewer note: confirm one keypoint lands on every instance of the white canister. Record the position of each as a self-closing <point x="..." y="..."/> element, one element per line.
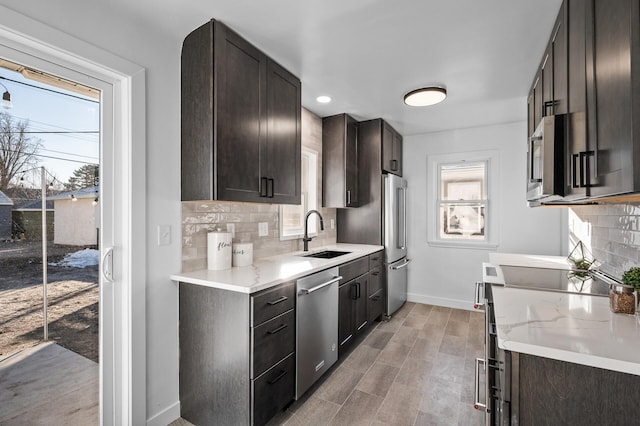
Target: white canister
<point x="242" y="254"/>
<point x="218" y="250"/>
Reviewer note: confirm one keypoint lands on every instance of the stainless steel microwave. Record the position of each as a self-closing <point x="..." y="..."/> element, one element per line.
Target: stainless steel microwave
<point x="546" y="160"/>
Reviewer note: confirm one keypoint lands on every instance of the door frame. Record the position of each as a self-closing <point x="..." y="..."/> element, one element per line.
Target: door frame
<point x="123" y="378"/>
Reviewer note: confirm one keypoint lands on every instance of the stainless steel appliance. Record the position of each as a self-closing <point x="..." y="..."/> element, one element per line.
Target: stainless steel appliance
<point x="545" y="161"/>
<point x="395" y="240"/>
<point x="316" y="327"/>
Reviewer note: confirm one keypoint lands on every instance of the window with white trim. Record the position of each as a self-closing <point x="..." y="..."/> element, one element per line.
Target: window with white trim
<point x="462" y="188"/>
<point x="462" y="200"/>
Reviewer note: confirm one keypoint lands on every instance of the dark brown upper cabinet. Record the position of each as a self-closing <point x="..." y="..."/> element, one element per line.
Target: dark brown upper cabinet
<point x="613" y="95"/>
<point x="391" y="150"/>
<point x="340" y="161"/>
<point x="241" y="121"/>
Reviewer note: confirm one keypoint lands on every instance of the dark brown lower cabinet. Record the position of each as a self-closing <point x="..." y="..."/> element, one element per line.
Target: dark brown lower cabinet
<point x="273" y="390"/>
<point x="553" y="392"/>
<point x="352" y="311"/>
<point x="237" y="354"/>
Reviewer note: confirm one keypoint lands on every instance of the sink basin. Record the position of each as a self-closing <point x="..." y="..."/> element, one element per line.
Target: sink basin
<point x="326" y="254"/>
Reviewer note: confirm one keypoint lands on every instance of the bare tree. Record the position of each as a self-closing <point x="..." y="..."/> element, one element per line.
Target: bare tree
<point x="18" y="150"/>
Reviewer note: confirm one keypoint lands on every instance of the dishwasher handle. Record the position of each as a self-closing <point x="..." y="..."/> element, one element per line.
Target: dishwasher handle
<point x="304" y="291"/>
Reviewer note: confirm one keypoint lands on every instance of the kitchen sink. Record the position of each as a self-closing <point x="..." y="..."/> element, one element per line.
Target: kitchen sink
<point x="326" y="254"/>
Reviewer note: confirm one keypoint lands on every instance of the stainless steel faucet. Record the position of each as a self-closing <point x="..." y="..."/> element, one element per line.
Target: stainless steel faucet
<point x="306" y="237"/>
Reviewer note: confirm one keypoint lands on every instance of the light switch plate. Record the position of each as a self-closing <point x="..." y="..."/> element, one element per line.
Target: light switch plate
<point x="333" y="224"/>
<point x="164" y="235"/>
<point x="263" y="229"/>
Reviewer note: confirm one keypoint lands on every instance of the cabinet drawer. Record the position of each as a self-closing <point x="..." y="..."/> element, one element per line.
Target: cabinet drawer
<point x="375" y="260"/>
<point x="273" y="390"/>
<point x="375" y="306"/>
<point x="272" y="302"/>
<point x="353" y="269"/>
<point x="376" y="281"/>
<point x="272" y="341"/>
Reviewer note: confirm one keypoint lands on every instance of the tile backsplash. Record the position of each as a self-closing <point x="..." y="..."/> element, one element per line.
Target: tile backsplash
<point x="610" y="231"/>
<point x="201" y="217"/>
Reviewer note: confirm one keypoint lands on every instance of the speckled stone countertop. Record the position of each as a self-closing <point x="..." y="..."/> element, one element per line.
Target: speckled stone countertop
<point x="270" y="271"/>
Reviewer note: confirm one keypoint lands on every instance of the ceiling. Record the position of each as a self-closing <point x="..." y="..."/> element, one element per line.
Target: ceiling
<point x="366" y="54"/>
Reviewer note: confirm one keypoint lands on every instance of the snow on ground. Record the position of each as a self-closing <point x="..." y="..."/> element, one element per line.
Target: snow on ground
<point x="80" y="259"/>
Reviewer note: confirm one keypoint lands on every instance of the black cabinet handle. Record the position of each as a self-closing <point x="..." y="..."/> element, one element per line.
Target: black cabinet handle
<point x="587" y="168"/>
<point x="278" y="377"/>
<point x="280" y="300"/>
<point x="354" y="291"/>
<point x="263" y="187"/>
<point x="358" y="293"/>
<point x="375" y="274"/>
<point x="270" y="186"/>
<point x="277" y="330"/>
<point x="574" y="170"/>
<point x="394" y="165"/>
<point x="375" y="297"/>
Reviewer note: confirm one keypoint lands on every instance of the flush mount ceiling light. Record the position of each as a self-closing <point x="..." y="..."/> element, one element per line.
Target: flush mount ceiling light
<point x="323" y="99"/>
<point x="425" y="96"/>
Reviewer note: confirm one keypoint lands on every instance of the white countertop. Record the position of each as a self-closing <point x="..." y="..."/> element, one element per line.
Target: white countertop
<point x="567" y="327"/>
<point x="530" y="260"/>
<point x="270" y="271"/>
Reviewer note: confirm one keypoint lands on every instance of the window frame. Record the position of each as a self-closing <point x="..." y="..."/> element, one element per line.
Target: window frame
<point x="308" y="201"/>
<point x="490" y="158"/>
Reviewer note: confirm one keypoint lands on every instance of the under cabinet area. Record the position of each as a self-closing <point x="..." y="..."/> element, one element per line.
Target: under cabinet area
<point x="241" y="121"/>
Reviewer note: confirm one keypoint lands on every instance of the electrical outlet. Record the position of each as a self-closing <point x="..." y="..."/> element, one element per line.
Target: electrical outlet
<point x="231" y="227"/>
<point x="164" y="235"/>
<point x="263" y="229"/>
<point x="333" y="224"/>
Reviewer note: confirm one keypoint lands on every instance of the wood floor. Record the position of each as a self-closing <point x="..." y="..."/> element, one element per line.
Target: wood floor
<point x="416" y="369"/>
<point x="48" y="385"/>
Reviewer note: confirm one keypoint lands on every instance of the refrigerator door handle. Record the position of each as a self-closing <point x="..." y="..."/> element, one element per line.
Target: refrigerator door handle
<point x="402" y="219"/>
<point x="406" y="262"/>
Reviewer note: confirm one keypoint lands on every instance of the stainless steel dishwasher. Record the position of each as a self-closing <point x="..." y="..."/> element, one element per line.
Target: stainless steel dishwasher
<point x="316" y="327"/>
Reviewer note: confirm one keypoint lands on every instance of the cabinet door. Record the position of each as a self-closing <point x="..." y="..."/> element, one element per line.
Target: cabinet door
<point x="559" y="58"/>
<point x="360" y="303"/>
<point x="340" y="186"/>
<point x="615" y="25"/>
<point x="387" y="148"/>
<point x="375" y="306"/>
<point x="537" y="98"/>
<point x="351" y="162"/>
<point x="346" y="294"/>
<point x="397" y="153"/>
<point x="577" y="100"/>
<point x="546" y="73"/>
<point x="283" y="138"/>
<point x="241" y="92"/>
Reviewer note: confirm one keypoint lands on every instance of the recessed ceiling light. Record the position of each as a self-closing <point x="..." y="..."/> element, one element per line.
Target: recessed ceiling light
<point x="425" y="96"/>
<point x="323" y="99"/>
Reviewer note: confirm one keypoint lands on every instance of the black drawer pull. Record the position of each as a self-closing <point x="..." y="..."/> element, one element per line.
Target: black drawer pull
<point x="280" y="376"/>
<point x="375" y="297"/>
<point x="277" y="330"/>
<point x="275" y="302"/>
<point x="375" y="274"/>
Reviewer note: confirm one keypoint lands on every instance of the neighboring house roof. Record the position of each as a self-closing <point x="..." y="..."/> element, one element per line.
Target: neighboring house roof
<point x="4" y="200"/>
<point x="90" y="192"/>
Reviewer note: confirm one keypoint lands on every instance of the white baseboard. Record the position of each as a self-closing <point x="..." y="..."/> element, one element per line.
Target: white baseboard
<point x="440" y="301"/>
<point x="166" y="416"/>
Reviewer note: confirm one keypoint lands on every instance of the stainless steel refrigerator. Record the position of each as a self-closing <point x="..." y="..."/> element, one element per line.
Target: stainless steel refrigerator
<point x="394" y="231"/>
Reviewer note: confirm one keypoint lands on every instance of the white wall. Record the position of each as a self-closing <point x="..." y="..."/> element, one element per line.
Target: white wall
<point x="100" y="24"/>
<point x="446" y="276"/>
